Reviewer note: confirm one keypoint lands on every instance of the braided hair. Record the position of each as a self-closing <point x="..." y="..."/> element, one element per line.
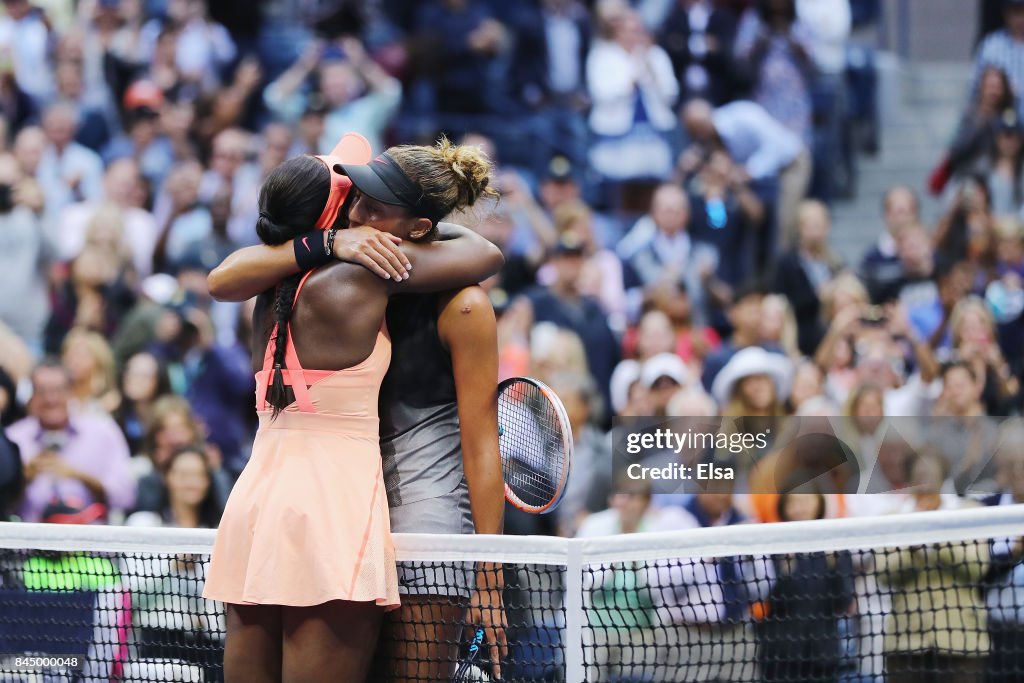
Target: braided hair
<point x="291" y="200"/>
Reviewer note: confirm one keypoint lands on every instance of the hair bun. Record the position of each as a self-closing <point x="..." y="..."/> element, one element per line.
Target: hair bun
<point x="471" y="167"/>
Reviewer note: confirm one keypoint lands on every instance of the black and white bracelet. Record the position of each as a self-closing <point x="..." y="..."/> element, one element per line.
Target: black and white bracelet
<point x="329" y="247"/>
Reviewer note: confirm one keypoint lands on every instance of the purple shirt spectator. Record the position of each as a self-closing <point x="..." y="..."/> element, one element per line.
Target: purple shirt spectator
<point x="80" y="459"/>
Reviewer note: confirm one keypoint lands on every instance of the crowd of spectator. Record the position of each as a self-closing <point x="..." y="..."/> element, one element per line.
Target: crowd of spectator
<point x="667" y="170"/>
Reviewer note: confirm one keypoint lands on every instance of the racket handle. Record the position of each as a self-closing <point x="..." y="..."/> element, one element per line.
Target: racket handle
<point x="478" y="639"/>
<point x="474" y="650"/>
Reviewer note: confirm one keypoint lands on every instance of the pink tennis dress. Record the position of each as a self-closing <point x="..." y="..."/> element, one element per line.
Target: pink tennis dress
<point x="307" y="521"/>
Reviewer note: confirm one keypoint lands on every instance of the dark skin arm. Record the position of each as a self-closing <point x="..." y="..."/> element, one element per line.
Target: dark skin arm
<point x="460" y="258"/>
<point x="467" y="328"/>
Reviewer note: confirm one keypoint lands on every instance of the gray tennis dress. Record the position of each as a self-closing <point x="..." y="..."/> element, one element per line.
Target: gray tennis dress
<point x="420" y="441"/>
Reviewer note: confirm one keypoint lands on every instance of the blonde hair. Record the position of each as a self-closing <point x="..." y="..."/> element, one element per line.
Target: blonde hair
<point x="737" y="405"/>
<point x="858" y="394"/>
<point x="554" y="349"/>
<point x="568" y="214"/>
<point x="846" y="283"/>
<point x="451" y="176"/>
<point x="971" y="304"/>
<point x="788" y="335"/>
<point x="105" y="230"/>
<point x="607" y="13"/>
<point x="103" y="379"/>
<point x="1009" y="228"/>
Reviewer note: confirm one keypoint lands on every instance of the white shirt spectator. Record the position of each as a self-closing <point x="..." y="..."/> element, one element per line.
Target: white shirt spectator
<point x="24" y="306"/>
<point x="755" y="139"/>
<point x="203" y="48"/>
<point x="369" y="114"/>
<point x="76" y="161"/>
<point x="563" y="43"/>
<point x="691" y="590"/>
<point x="829" y="24"/>
<point x="913" y="398"/>
<point x="614" y="77"/>
<point x="27" y="41"/>
<point x="188" y="228"/>
<point x="607" y="523"/>
<point x="140" y="233"/>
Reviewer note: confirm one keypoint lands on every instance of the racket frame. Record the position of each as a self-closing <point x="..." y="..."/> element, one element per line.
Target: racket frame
<point x="567" y="445"/>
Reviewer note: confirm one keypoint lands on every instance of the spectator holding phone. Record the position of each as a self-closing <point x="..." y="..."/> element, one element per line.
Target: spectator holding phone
<point x="966" y="233"/>
<point x="974" y="340"/>
<point x="71" y="461"/>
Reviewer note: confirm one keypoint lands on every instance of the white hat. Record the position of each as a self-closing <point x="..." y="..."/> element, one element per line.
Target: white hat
<point x="664" y="365"/>
<point x="626" y="373"/>
<point x="752" y="360"/>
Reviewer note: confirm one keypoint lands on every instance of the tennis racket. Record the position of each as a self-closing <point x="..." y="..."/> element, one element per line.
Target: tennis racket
<point x="535" y="441"/>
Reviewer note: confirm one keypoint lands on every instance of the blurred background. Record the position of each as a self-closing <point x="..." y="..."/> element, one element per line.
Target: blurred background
<point x="766" y="212"/>
<point x="745" y="209"/>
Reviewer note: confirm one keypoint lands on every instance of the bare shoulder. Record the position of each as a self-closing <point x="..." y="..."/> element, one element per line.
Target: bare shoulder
<point x="466" y="316"/>
<point x="467" y="301"/>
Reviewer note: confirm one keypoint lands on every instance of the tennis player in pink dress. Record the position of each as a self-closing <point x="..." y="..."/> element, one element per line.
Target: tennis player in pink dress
<point x="303" y="556"/>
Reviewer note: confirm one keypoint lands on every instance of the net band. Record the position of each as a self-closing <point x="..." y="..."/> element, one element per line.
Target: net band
<point x="767" y="539"/>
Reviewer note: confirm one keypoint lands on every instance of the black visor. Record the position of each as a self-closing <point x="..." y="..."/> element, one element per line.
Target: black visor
<point x="383" y="180"/>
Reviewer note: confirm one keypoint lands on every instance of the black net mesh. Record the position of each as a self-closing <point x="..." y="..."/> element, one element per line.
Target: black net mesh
<point x="951" y="611"/>
<point x="141" y="617"/>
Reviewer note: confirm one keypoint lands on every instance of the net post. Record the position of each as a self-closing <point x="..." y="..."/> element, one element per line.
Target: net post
<point x="574" y="672"/>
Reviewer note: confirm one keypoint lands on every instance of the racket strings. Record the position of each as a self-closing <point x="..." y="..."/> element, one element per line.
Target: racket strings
<point x="532" y="444"/>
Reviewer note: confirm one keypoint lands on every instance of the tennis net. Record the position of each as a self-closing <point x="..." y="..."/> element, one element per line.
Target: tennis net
<point x="873" y="599"/>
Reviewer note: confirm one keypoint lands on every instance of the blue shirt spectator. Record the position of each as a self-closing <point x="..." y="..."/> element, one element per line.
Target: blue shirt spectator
<point x="1004" y="48"/>
<point x="563" y="305"/>
<point x="458" y="44"/>
<point x="659" y="247"/>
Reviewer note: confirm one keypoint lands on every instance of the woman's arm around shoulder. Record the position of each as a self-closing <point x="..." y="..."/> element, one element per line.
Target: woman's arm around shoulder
<point x="461" y="258"/>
